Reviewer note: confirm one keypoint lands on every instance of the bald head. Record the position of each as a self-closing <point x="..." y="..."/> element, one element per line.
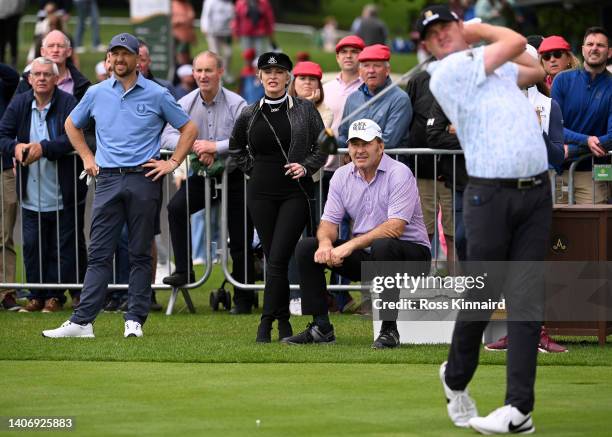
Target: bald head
<point x="56" y="46"/>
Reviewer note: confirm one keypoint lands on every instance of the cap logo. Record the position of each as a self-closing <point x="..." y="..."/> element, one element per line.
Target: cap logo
<point x="359" y="125"/>
<point x="272" y="60"/>
<point x="122" y="38"/>
<point x="429" y="17"/>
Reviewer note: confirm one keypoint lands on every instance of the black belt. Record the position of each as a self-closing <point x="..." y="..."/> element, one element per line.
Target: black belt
<point x="519" y="183"/>
<point x="122" y="170"/>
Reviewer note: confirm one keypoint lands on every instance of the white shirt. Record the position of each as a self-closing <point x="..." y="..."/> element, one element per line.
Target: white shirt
<point x="496" y="125"/>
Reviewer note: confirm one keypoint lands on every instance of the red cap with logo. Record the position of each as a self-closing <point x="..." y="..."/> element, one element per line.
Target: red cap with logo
<point x="350" y="41"/>
<point x="554" y="43"/>
<point x="376" y="52"/>
<point x="307" y="68"/>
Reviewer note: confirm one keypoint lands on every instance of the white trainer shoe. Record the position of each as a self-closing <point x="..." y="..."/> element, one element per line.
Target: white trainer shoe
<point x="69" y="329"/>
<point x="132" y="329"/>
<point x="504" y="420"/>
<point x="295" y="307"/>
<point x="461" y="407"/>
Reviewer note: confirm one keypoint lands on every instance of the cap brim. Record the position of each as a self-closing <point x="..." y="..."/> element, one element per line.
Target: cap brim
<point x="129" y="49"/>
<point x="362" y="137"/>
<point x="437" y="20"/>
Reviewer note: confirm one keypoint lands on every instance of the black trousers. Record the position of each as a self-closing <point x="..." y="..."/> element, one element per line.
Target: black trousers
<point x="312" y="274"/>
<point x="279" y="224"/>
<point x="9" y="28"/>
<point x="180" y="233"/>
<point x="514" y="225"/>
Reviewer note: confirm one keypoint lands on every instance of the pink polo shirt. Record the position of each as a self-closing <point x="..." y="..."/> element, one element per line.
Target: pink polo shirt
<point x="336" y="92"/>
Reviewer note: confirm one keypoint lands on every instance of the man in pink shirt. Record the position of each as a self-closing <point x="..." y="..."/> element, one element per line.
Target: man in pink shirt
<point x="380" y="196"/>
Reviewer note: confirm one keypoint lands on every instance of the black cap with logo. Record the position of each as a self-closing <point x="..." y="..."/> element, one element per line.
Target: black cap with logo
<point x="274" y="59"/>
<point x="434" y="14"/>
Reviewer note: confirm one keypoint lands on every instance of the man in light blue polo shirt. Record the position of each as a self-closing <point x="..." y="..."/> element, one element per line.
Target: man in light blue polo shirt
<point x="130" y="113"/>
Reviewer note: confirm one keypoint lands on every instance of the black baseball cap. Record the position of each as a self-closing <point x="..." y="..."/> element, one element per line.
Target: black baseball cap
<point x="274" y="59"/>
<point x="125" y="40"/>
<point x="434" y="14"/>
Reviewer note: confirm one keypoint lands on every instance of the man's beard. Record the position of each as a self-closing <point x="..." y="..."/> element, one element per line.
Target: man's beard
<point x="600" y="64"/>
<point x="126" y="72"/>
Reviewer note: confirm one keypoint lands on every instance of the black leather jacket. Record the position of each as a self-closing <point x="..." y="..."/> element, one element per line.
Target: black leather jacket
<point x="306" y="125"/>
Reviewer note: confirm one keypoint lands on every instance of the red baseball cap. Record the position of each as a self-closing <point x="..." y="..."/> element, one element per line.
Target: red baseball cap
<point x="307" y="68"/>
<point x="554" y="43"/>
<point x="376" y="52"/>
<point x="351" y="41"/>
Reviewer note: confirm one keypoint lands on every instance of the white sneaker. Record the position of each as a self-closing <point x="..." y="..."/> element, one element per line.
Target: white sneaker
<point x="461" y="407"/>
<point x="295" y="306"/>
<point x="504" y="420"/>
<point x="69" y="329"/>
<point x="132" y="329"/>
<point x="80" y="50"/>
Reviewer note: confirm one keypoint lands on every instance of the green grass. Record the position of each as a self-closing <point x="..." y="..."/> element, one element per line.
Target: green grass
<point x="204" y="374"/>
<point x="153" y="399"/>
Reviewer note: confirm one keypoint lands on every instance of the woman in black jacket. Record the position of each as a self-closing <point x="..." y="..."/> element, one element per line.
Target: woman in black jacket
<point x="274" y="141"/>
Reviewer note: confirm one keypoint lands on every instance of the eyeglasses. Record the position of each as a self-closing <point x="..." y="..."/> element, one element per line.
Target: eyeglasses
<point x="557" y="54"/>
<point x="44" y="74"/>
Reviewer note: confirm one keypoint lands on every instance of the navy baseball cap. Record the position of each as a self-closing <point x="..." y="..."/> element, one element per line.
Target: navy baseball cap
<point x="434" y="14"/>
<point x="125" y="40"/>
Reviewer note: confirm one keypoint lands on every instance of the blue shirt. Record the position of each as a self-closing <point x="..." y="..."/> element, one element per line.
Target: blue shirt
<point x="393" y="113"/>
<point x="42" y="174"/>
<point x="128" y="123"/>
<point x="496" y="125"/>
<point x="586" y="105"/>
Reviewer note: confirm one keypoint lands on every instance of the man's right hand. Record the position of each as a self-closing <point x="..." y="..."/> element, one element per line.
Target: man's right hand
<point x="19" y="149"/>
<point x="595" y="146"/>
<point x="90" y="167"/>
<point x="323" y="253"/>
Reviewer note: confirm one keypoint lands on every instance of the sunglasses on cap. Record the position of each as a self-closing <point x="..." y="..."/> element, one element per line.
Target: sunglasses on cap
<point x="555" y="53"/>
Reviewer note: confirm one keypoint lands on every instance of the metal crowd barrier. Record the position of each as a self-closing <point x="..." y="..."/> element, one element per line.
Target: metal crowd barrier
<point x="223" y="250"/>
<point x="20" y="270"/>
<point x="392" y="152"/>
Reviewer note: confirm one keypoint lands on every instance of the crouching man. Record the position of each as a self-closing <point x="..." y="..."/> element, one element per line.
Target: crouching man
<point x="381" y="197"/>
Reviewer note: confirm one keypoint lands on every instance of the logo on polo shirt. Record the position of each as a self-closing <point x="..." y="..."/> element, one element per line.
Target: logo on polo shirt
<point x="272" y="60"/>
<point x="140" y="108"/>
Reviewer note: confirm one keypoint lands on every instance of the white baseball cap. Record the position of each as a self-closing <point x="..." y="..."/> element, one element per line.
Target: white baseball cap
<point x="184" y="70"/>
<point x="100" y="68"/>
<point x="364" y="129"/>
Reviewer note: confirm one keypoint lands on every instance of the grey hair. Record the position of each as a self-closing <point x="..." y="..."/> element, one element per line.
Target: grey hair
<point x="66" y="39"/>
<point x="46" y="61"/>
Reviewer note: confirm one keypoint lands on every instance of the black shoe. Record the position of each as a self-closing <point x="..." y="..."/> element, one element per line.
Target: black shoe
<point x="240" y="310"/>
<point x="177" y="279"/>
<point x="112" y="306"/>
<point x="312" y="334"/>
<point x="9" y="303"/>
<point x="387" y="339"/>
<point x="284" y="329"/>
<point x="264" y="331"/>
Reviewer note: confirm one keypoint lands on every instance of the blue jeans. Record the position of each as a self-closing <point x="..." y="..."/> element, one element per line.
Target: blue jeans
<point x="87" y="8"/>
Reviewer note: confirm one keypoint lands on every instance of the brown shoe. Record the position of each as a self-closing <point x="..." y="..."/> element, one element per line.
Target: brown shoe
<point x="33" y="306"/>
<point x="52" y="305"/>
